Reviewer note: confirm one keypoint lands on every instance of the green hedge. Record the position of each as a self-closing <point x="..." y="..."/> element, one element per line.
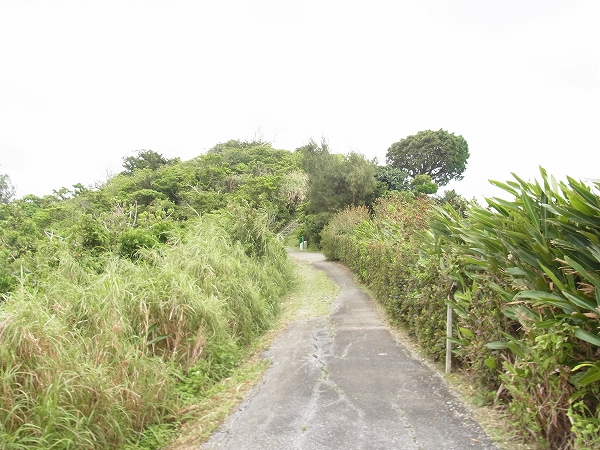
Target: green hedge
<point x="537" y="258"/>
<point x="528" y="300"/>
<point x="387" y="252"/>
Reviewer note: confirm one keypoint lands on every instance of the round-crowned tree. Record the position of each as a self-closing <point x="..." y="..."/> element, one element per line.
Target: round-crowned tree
<point x="439" y="154"/>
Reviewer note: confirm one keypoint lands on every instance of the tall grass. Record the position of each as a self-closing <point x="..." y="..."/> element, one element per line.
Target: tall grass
<point x="88" y="360"/>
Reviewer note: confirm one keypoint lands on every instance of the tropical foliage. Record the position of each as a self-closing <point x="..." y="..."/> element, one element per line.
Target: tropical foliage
<point x="536" y="261"/>
<point x="120" y="303"/>
<point x="527" y="304"/>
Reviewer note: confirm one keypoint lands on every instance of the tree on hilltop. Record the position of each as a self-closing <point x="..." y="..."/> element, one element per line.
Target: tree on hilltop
<point x="336" y="181"/>
<point x="146" y="159"/>
<point x="7" y="190"/>
<point x="439" y="154"/>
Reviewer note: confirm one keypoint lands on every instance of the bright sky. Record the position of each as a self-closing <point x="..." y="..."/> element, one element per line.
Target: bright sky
<point x="83" y="84"/>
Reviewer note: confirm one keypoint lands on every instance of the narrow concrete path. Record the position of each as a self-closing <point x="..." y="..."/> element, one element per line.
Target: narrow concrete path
<point x="343" y="382"/>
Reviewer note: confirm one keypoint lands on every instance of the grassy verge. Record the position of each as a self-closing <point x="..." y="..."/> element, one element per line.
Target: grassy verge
<point x="495" y="421"/>
<point x="312" y="296"/>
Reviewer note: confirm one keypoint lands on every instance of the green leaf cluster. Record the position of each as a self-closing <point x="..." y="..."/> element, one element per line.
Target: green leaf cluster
<point x="527" y="307"/>
<point x="536" y="258"/>
<point x="439" y="154"/>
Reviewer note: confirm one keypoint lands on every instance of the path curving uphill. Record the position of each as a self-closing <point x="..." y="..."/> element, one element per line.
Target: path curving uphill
<point x="343" y="382"/>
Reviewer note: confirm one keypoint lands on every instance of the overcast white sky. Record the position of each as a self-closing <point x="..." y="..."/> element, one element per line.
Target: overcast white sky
<point x="84" y="83"/>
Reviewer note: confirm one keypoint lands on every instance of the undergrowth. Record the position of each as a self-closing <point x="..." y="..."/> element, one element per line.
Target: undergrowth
<point x="527" y="303"/>
<point x="98" y="359"/>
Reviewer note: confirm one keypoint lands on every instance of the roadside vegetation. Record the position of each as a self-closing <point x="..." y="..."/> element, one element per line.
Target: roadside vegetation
<point x="311" y="297"/>
<point x="527" y="303"/>
<point x="133" y="307"/>
<point x="120" y="305"/>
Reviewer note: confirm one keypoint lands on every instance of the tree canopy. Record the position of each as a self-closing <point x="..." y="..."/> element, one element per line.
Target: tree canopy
<point x="7" y="190"/>
<point x="146" y="159"/>
<point x="392" y="178"/>
<point x="439" y="154"/>
<point x="336" y="181"/>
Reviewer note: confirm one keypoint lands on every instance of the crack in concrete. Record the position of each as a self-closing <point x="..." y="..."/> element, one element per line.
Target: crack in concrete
<point x="408" y="427"/>
<point x="343" y="382"/>
<point x="325" y="384"/>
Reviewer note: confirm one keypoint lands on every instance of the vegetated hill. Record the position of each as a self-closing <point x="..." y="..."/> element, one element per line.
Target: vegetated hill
<point x="149" y="203"/>
<point x="121" y="303"/>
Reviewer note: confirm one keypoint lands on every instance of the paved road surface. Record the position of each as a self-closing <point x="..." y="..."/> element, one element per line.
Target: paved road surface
<point x="343" y="382"/>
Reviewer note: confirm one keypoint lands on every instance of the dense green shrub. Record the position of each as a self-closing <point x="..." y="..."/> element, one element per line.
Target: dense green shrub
<point x="528" y="300"/>
<point x="536" y="261"/>
<point x="91" y="358"/>
<point x="386" y="250"/>
<point x="134" y="239"/>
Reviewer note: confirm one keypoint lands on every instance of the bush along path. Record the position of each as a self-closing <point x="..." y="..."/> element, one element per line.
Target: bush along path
<point x="527" y="305"/>
<point x="342" y="381"/>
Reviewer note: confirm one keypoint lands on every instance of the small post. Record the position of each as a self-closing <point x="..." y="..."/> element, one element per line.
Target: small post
<point x="448" y="335"/>
<point x="449" y="328"/>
